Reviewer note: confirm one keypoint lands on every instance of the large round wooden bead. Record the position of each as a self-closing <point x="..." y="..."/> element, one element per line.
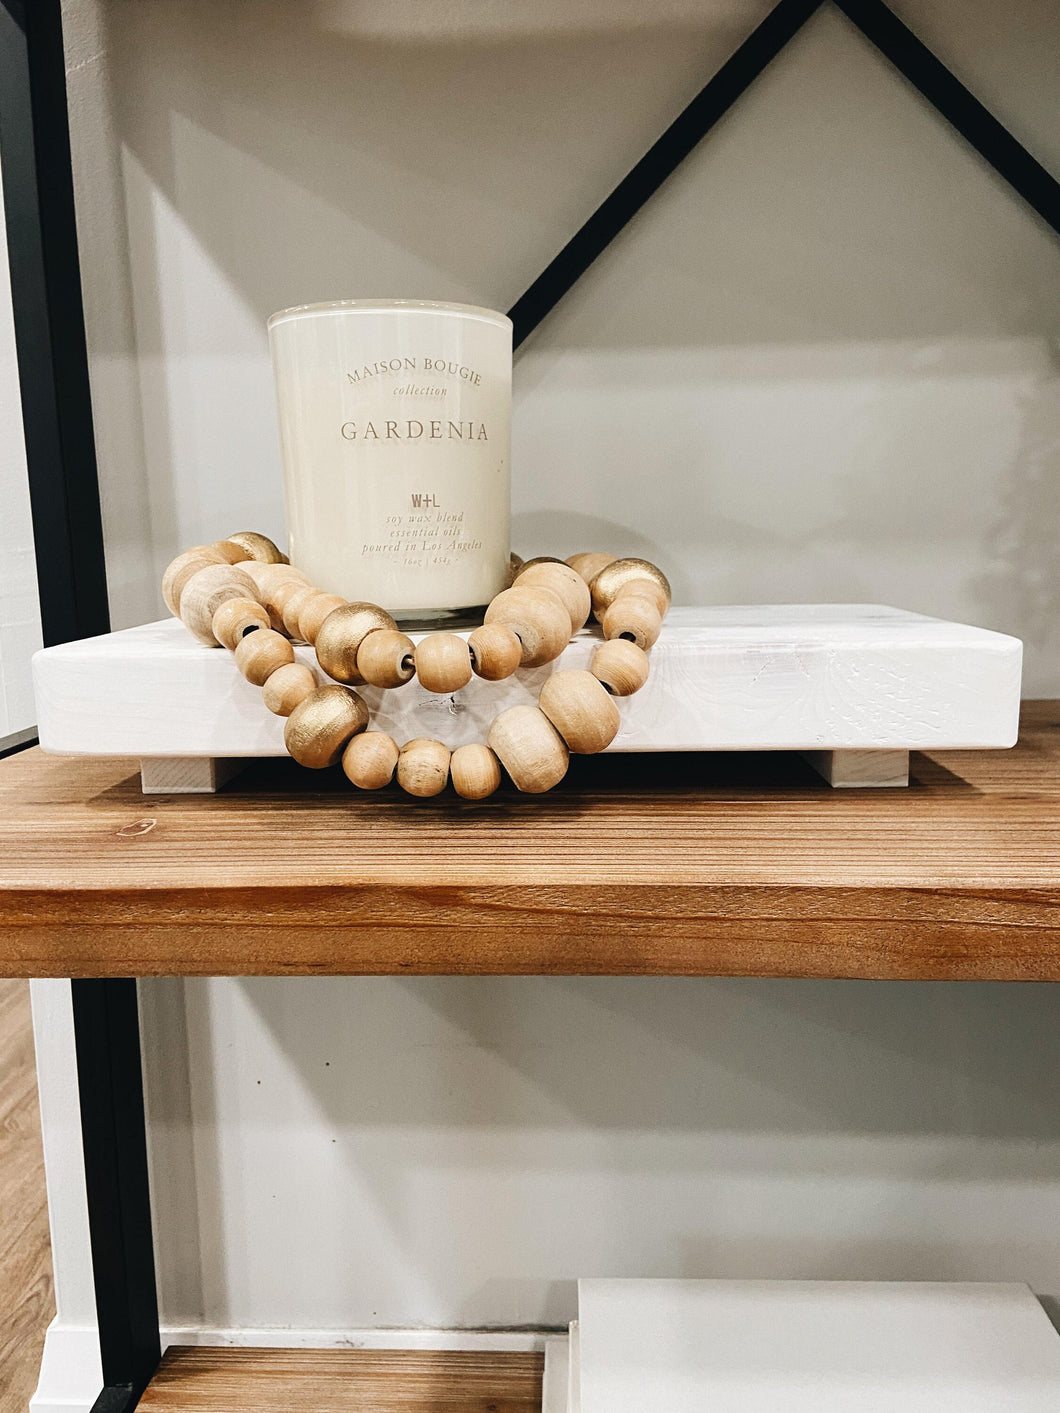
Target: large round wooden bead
<point x="289" y="600"/>
<point x="610" y="581"/>
<point x="370" y="759"/>
<point x="443" y="663"/>
<point x="423" y="767"/>
<point x="287" y="686"/>
<point x="258" y="547"/>
<point x="634" y="617"/>
<point x="537" y="617"/>
<point x="581" y="710"/>
<point x="206" y="591"/>
<point x="620" y="666"/>
<point x="475" y="772"/>
<point x="276" y="583"/>
<point x="540" y="559"/>
<point x="181" y="569"/>
<point x="589" y="563"/>
<point x="259" y="654"/>
<point x="313" y="614"/>
<point x="236" y="618"/>
<point x="530" y="748"/>
<point x="387" y="658"/>
<point x="321" y="724"/>
<point x="495" y="651"/>
<point x="340" y="636"/>
<point x="568" y="586"/>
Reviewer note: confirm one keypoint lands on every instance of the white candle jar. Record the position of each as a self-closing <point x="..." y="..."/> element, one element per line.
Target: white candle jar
<point x="395" y="429"/>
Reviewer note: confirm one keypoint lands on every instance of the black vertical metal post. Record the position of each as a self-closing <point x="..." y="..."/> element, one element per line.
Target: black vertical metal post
<point x="107" y="1037"/>
<point x="49" y="321"/>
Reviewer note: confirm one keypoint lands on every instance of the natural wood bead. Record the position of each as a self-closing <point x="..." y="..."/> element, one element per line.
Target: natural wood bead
<point x="443" y="663"/>
<point x="206" y="591"/>
<point x="321" y="724"/>
<point x="423" y="767"/>
<point x="259" y="654"/>
<point x="514" y="565"/>
<point x="638" y="588"/>
<point x="236" y="617"/>
<point x="289" y="600"/>
<point x="287" y="686"/>
<point x="276" y="583"/>
<point x="540" y="559"/>
<point x="530" y="748"/>
<point x="181" y="569"/>
<point x="258" y="547"/>
<point x="581" y="711"/>
<point x="370" y="759"/>
<point x="311" y="618"/>
<point x="568" y="586"/>
<point x="386" y="658"/>
<point x="340" y="636"/>
<point x="495" y="651"/>
<point x="634" y="617"/>
<point x="607" y="585"/>
<point x="231" y="552"/>
<point x="621" y="666"/>
<point x="589" y="563"/>
<point x="475" y="772"/>
<point x="537" y="617"/>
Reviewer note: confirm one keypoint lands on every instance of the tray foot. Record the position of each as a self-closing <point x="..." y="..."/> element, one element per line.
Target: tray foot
<point x="845" y="770"/>
<point x="186" y="775"/>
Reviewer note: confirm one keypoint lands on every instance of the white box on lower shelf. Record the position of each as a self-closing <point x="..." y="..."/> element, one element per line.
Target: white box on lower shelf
<point x="856" y="686"/>
<point x="690" y="1346"/>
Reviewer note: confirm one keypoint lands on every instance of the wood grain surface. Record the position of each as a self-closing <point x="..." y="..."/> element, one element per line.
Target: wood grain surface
<point x="26" y="1301"/>
<point x="697" y="865"/>
<point x="343" y="1381"/>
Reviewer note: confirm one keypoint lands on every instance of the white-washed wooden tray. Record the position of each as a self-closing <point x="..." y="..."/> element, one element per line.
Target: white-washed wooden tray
<point x="853" y="686"/>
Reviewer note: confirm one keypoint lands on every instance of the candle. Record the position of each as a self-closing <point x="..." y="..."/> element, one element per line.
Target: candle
<point x="395" y="431"/>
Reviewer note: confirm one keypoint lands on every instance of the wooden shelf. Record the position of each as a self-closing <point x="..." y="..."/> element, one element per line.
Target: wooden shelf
<point x="343" y="1381"/>
<point x="693" y="865"/>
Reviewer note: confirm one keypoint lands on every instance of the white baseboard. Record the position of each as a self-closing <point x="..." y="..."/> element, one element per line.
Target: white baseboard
<point x="70" y="1376"/>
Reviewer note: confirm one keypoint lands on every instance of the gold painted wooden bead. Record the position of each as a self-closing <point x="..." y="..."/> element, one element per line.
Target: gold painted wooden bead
<point x="620" y="666"/>
<point x="287" y="686"/>
<point x="231" y="552"/>
<point x="340" y="636"/>
<point x="235" y="618"/>
<point x="423" y="767"/>
<point x="313" y="614"/>
<point x="443" y="663"/>
<point x="370" y="760"/>
<point x="258" y="547"/>
<point x="206" y="591"/>
<point x="634" y="617"/>
<point x="589" y="563"/>
<point x="537" y="617"/>
<point x="289" y="600"/>
<point x="495" y="651"/>
<point x="475" y="772"/>
<point x="386" y="658"/>
<point x="259" y="654"/>
<point x="614" y="576"/>
<point x="322" y="723"/>
<point x="530" y="748"/>
<point x="181" y="569"/>
<point x="568" y="586"/>
<point x="581" y="710"/>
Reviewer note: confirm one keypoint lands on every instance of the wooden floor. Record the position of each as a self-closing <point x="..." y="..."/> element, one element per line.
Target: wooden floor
<point x="343" y="1381"/>
<point x="26" y="1303"/>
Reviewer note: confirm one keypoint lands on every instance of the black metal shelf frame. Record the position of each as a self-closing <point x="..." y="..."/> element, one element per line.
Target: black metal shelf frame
<point x="67" y="525"/>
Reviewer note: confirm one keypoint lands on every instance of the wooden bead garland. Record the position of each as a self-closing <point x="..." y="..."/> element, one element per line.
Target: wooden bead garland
<point x="243" y="594"/>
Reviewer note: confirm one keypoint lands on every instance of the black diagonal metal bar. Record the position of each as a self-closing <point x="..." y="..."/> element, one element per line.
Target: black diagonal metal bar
<point x="711" y="103"/>
<point x="49" y="325"/>
<point x="976" y="124"/>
